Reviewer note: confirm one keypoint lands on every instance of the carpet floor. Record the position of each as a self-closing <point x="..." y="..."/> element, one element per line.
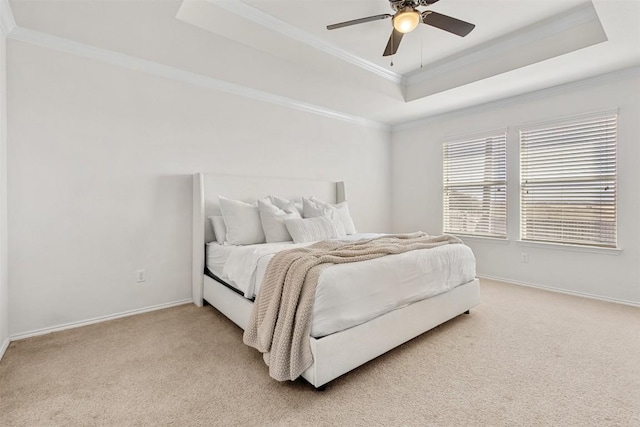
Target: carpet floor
<point x="523" y="357"/>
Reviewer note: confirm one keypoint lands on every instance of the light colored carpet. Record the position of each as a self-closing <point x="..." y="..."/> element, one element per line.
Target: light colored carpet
<point x="523" y="357"/>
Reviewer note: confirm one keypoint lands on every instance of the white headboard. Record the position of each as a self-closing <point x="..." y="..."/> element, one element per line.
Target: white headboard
<point x="207" y="188"/>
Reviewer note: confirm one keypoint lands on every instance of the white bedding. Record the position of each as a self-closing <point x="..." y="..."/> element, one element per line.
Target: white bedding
<point x="217" y="255"/>
<point x="236" y="265"/>
<point x="353" y="293"/>
<point x="240" y="271"/>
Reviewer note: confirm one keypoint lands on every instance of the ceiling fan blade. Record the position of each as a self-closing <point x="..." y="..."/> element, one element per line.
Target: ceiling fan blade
<point x="358" y="21"/>
<point x="393" y="43"/>
<point x="447" y="23"/>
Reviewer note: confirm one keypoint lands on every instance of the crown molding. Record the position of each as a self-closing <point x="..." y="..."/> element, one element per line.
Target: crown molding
<point x="172" y="73"/>
<point x="7" y="22"/>
<point x="631" y="71"/>
<point x="274" y="24"/>
<point x="494" y="48"/>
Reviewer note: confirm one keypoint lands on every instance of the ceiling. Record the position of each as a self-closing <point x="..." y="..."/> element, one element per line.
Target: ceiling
<point x="426" y="44"/>
<point x="281" y="48"/>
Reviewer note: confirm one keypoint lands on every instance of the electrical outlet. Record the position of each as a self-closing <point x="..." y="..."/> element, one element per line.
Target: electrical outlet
<point x="524" y="257"/>
<point x="141" y="276"/>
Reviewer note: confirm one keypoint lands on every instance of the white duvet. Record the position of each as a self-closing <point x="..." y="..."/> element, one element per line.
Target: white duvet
<point x="353" y="293"/>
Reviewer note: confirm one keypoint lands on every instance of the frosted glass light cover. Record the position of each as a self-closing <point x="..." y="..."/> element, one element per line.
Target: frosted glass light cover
<point x="406" y="21"/>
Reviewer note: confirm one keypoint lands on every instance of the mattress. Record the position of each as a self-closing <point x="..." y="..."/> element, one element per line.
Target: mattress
<point x="353" y="293"/>
<point x="217" y="256"/>
<point x="240" y="272"/>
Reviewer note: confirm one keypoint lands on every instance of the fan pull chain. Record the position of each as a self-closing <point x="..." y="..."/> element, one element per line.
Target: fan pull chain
<point x="421" y="52"/>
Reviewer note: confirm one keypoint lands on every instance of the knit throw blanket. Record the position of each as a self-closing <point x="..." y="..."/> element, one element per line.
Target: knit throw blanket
<point x="280" y="323"/>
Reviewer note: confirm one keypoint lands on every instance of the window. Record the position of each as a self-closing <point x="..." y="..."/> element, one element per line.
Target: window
<point x="568" y="182"/>
<point x="475" y="181"/>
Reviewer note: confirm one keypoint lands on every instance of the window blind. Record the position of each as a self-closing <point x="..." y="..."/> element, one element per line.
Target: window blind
<point x="568" y="183"/>
<point x="475" y="181"/>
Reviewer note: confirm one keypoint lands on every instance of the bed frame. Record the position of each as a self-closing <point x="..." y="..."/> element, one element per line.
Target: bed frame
<point x="338" y="353"/>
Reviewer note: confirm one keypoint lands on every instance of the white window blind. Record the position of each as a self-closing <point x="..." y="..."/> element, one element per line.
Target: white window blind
<point x="475" y="181"/>
<point x="568" y="183"/>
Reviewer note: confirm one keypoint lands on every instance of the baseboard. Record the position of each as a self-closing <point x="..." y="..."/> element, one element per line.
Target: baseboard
<point x="43" y="331"/>
<point x="561" y="291"/>
<point x="4" y="347"/>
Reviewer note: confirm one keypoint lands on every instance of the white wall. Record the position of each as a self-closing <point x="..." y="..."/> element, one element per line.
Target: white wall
<point x="99" y="185"/>
<point x="4" y="284"/>
<point x="417" y="186"/>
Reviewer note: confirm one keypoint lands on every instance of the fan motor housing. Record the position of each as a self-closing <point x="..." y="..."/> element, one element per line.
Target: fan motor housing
<point x="397" y="5"/>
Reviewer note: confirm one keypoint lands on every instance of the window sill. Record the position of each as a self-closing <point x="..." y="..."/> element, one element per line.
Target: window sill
<point x="482" y="239"/>
<point x="572" y="248"/>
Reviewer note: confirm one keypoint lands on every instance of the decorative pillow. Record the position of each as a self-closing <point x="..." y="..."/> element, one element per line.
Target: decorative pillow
<point x="282" y="203"/>
<point x="242" y="221"/>
<point x="312" y="208"/>
<point x="219" y="229"/>
<point x="311" y="229"/>
<point x="272" y="218"/>
<point x="343" y="213"/>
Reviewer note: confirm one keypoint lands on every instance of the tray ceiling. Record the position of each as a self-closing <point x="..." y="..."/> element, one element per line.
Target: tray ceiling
<point x="281" y="48"/>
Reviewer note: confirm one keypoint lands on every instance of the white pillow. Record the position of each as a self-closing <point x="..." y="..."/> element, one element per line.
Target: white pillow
<point x="219" y="229"/>
<point x="311" y="229"/>
<point x="242" y="221"/>
<point x="313" y="208"/>
<point x="342" y="209"/>
<point x="282" y="203"/>
<point x="272" y="218"/>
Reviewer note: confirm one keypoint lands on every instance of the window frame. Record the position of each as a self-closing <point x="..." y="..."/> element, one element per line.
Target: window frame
<point x="494" y="181"/>
<point x="607" y="159"/>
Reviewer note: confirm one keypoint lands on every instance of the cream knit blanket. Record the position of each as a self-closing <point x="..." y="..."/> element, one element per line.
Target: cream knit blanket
<point x="280" y="323"/>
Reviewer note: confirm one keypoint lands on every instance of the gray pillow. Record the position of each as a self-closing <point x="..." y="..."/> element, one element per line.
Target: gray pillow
<point x="311" y="229"/>
<point x="272" y="219"/>
<point x="242" y="221"/>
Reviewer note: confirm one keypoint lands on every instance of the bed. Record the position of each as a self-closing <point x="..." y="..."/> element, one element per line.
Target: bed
<point x="334" y="353"/>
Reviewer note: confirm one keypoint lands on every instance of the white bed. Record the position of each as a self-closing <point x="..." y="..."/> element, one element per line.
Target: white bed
<point x="334" y="353"/>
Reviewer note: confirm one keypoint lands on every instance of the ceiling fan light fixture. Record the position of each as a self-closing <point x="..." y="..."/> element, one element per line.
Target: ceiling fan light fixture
<point x="407" y="20"/>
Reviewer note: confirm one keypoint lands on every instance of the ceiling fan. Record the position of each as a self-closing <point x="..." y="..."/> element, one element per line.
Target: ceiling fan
<point x="407" y="18"/>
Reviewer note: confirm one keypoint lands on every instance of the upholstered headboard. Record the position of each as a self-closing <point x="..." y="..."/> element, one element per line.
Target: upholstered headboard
<point x="207" y="188"/>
